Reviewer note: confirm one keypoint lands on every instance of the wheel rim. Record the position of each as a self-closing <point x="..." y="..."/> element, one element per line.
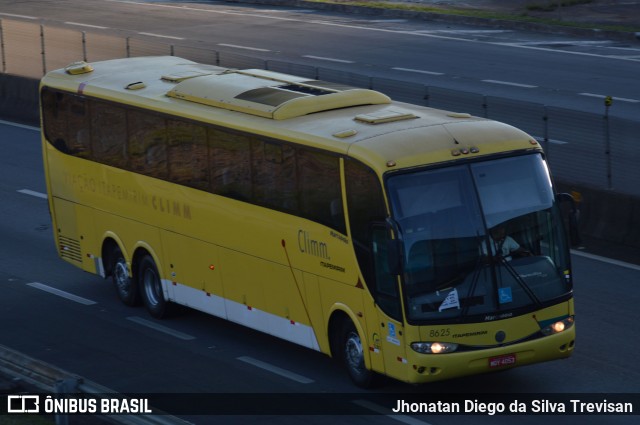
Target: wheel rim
<point x="152" y="287"/>
<point x="121" y="277"/>
<point x="353" y="353"/>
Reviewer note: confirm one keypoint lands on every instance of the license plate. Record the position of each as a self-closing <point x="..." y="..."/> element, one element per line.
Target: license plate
<point x="501" y="361"/>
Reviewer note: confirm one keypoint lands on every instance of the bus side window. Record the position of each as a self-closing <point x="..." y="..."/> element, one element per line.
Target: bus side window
<point x="108" y="134"/>
<point x="67" y="122"/>
<point x="230" y="164"/>
<point x="79" y="126"/>
<point x="274" y="175"/>
<point x="55" y="118"/>
<point x="385" y="280"/>
<point x="147" y="146"/>
<point x="319" y="188"/>
<point x="366" y="206"/>
<point x="188" y="154"/>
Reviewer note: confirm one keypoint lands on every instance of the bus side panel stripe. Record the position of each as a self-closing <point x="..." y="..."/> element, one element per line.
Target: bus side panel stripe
<point x="250" y="317"/>
<point x="197" y="299"/>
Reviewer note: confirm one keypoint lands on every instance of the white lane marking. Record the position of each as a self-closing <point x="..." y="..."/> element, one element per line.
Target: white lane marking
<point x="384" y="411"/>
<point x="322" y="58"/>
<point x="314" y="21"/>
<point x="419" y="71"/>
<point x="18" y="16"/>
<point x="79" y="24"/>
<point x="474" y="32"/>
<point x="632" y="49"/>
<point x="150" y="34"/>
<point x="561" y="43"/>
<point x="33" y="193"/>
<point x="235" y="46"/>
<point x="160" y="328"/>
<point x="61" y="293"/>
<point x="509" y="83"/>
<point x="545" y="49"/>
<point x="274" y="10"/>
<point x="601" y="96"/>
<point x="606" y="260"/>
<point x="275" y="369"/>
<point x="386" y="21"/>
<point x="15" y="124"/>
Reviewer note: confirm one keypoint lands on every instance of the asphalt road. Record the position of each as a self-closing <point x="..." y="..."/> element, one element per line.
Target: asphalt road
<point x="549" y="69"/>
<point x="58" y="314"/>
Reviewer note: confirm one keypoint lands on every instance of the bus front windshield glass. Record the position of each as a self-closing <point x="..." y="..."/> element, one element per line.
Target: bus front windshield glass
<point x="479" y="239"/>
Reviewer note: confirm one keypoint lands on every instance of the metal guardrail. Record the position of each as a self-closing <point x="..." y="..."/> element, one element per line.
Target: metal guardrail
<point x="49" y="379"/>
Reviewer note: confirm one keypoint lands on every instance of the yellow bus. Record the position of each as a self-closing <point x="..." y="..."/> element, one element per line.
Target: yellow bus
<point x="402" y="240"/>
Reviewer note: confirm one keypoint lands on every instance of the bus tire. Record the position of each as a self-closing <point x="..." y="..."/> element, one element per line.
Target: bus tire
<point x="353" y="356"/>
<point x="126" y="287"/>
<point x="151" y="288"/>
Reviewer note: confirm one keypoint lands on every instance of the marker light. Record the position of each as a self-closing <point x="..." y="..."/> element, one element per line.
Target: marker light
<point x="434" y="347"/>
<point x="557" y="327"/>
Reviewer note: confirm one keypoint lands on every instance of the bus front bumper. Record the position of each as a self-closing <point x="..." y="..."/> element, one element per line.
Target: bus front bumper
<point x="435" y="367"/>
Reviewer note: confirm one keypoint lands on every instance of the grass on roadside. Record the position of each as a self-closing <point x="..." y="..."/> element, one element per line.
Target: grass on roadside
<point x="484" y="14"/>
<point x="551" y="6"/>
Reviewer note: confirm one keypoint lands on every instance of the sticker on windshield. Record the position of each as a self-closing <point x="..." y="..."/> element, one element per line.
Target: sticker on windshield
<point x="451" y="301"/>
<point x="505" y="295"/>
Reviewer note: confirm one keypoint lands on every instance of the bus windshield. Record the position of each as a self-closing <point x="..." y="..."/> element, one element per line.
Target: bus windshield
<point x="480" y="239"/>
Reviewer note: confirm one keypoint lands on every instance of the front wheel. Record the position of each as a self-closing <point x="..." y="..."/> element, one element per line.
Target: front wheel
<point x="353" y="356"/>
<point x="151" y="288"/>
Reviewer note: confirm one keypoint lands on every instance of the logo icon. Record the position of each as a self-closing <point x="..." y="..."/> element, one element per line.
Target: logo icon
<point x="505" y="295"/>
<point x="23" y="404"/>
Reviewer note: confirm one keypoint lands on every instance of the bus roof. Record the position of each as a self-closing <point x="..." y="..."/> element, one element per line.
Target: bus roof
<point x="364" y="124"/>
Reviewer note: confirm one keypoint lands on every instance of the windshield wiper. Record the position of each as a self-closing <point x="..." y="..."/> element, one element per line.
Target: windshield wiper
<point x="519" y="279"/>
<point x="472" y="287"/>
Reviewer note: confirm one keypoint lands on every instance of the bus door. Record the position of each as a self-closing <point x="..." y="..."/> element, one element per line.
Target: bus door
<point x="387" y="337"/>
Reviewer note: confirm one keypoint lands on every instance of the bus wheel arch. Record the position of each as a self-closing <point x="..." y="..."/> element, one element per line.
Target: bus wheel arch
<point x="149" y="281"/>
<point x="116" y="266"/>
<point x="348" y="346"/>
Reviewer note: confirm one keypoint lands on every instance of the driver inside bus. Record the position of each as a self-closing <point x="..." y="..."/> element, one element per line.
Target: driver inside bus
<point x="502" y="244"/>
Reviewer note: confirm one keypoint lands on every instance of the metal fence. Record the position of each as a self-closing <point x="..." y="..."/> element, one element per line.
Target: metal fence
<point x="582" y="148"/>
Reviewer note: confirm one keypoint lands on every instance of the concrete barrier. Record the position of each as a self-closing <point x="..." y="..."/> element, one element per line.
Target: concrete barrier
<point x="605" y="215"/>
<point x="19" y="99"/>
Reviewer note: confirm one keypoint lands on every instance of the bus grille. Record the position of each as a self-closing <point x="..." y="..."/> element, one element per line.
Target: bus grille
<point x="70" y="249"/>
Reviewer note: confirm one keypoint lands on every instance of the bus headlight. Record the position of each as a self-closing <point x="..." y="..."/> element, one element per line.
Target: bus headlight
<point x="434" y="347"/>
<point x="557" y="327"/>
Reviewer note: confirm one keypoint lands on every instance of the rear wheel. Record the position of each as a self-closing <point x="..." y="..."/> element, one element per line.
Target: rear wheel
<point x="353" y="356"/>
<point x="126" y="287"/>
<point x="151" y="288"/>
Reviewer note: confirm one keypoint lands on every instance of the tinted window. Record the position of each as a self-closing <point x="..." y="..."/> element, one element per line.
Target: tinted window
<point x="365" y="200"/>
<point x="230" y="164"/>
<point x="147" y="145"/>
<point x="366" y="206"/>
<point x="320" y="189"/>
<point x="66" y="122"/>
<point x="188" y="154"/>
<point x="274" y="175"/>
<point x="237" y="165"/>
<point x="108" y="134"/>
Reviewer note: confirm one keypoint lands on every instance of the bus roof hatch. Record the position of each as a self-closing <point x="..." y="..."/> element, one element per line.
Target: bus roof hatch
<point x="271" y="95"/>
